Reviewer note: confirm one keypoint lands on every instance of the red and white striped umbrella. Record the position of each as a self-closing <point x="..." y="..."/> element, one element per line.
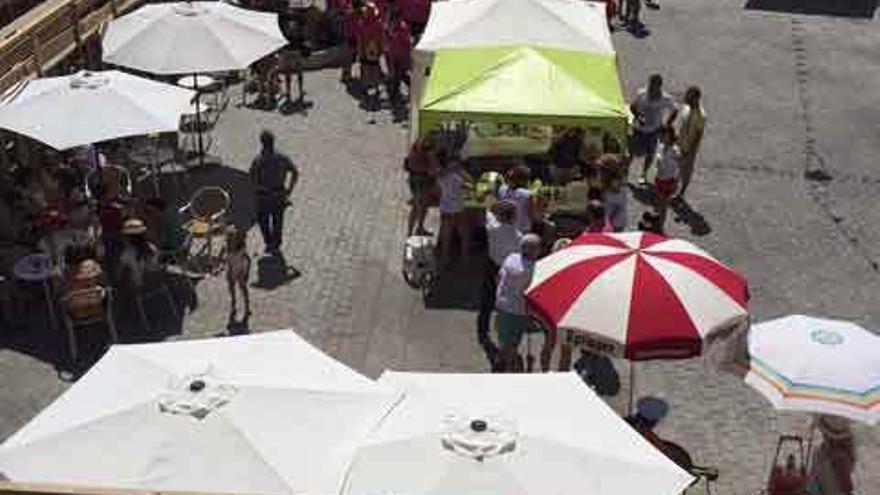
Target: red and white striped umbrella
<point x="637" y="295"/>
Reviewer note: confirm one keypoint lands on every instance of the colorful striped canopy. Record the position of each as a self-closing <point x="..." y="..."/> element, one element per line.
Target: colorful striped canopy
<point x="817" y="365"/>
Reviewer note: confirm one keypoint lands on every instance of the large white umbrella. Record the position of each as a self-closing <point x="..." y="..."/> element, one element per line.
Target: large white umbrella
<point x="191" y="37"/>
<point x="265" y="414"/>
<point x="816" y="365"/>
<point x="89" y="107"/>
<point x="516" y="434"/>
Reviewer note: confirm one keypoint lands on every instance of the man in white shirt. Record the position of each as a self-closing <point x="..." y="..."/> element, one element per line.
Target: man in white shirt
<point x="504" y="240"/>
<point x="652" y="109"/>
<point x="511" y="320"/>
<point x="690" y="135"/>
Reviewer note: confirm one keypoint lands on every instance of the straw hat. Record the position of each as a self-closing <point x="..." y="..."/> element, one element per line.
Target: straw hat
<point x="87" y="270"/>
<point x="834" y="428"/>
<point x="134" y="226"/>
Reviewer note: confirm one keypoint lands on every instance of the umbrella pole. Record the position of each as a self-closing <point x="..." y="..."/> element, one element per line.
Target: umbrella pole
<point x="199" y="120"/>
<point x="632" y="382"/>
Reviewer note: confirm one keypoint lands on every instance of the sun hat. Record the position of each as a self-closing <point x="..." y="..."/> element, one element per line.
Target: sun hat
<point x="134" y="226"/>
<point x="87" y="270"/>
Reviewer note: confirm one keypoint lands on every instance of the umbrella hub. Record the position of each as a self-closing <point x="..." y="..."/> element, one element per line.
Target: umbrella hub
<point x="189" y="9"/>
<point x="88" y="80"/>
<point x="478" y="438"/>
<point x="196" y="395"/>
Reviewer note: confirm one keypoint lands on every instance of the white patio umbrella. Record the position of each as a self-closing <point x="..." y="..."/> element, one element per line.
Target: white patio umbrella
<point x="817" y="365"/>
<point x="516" y="434"/>
<point x="265" y="414"/>
<point x="191" y="38"/>
<point x="89" y="107"/>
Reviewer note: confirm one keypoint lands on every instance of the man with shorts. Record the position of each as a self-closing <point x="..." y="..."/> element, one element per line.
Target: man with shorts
<point x="690" y="135"/>
<point x="511" y="320"/>
<point x="652" y="109"/>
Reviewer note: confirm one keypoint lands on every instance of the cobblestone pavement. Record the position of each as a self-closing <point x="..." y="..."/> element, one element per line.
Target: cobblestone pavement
<point x="784" y="93"/>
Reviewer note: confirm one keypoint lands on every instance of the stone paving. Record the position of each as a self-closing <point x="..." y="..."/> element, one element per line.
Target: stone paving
<point x="784" y="93"/>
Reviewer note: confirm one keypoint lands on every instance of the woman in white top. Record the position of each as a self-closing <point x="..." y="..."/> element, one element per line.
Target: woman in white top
<point x="614" y="195"/>
<point x="516" y="190"/>
<point x="453" y="217"/>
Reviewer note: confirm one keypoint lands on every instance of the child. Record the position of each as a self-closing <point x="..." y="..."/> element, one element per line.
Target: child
<point x="613" y="193"/>
<point x="666" y="181"/>
<point x="452" y="213"/>
<point x="238" y="269"/>
<point x="598" y="220"/>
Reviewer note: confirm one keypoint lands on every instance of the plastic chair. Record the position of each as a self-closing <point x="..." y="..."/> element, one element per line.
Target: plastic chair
<point x="207" y="217"/>
<point x="85" y="308"/>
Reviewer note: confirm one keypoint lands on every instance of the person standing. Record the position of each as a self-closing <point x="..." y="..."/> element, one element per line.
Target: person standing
<point x="690" y="135"/>
<point x="273" y="176"/>
<point x="422" y="166"/>
<point x="398" y="53"/>
<point x="614" y="195"/>
<point x="453" y="217"/>
<point x="666" y="180"/>
<point x="516" y="189"/>
<point x="504" y="239"/>
<point x="652" y="109"/>
<point x="833" y="463"/>
<point x="511" y="319"/>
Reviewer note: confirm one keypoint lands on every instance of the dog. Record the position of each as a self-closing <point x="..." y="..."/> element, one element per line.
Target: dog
<point x="238" y="269"/>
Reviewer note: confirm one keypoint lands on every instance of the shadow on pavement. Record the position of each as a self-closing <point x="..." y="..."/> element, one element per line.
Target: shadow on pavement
<point x="683" y="212"/>
<point x="273" y="272"/>
<point x="456" y="288"/>
<point x="840" y="8"/>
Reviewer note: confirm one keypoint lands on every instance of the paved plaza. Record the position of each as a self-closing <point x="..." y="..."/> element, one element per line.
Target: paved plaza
<point x="784" y="93"/>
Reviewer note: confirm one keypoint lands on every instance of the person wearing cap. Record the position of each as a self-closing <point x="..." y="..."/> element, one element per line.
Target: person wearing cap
<point x="511" y="320"/>
<point x="138" y="254"/>
<point x="649" y="412"/>
<point x="504" y="239"/>
<point x="834" y="461"/>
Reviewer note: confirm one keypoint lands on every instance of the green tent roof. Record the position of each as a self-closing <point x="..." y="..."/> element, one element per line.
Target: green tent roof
<point x="526" y="85"/>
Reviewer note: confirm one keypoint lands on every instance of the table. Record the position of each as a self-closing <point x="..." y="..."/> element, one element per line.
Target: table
<point x="37" y="267"/>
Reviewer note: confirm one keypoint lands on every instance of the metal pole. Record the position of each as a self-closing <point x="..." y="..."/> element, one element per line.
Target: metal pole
<point x="199" y="120"/>
<point x="632" y="381"/>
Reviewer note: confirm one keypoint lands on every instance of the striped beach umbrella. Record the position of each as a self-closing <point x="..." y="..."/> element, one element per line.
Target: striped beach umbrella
<point x="817" y="365"/>
<point x="637" y="295"/>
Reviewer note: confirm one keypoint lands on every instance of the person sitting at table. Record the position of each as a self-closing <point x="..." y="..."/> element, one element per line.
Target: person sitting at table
<point x="565" y="155"/>
<point x="138" y="254"/>
<point x="165" y="229"/>
<point x="453" y="218"/>
<point x="516" y="189"/>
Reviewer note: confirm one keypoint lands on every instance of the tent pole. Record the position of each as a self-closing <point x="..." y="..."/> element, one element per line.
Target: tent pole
<point x="199" y="119"/>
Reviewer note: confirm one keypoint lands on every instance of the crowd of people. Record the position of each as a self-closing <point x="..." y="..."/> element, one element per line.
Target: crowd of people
<point x="374" y="30"/>
<point x="666" y="137"/>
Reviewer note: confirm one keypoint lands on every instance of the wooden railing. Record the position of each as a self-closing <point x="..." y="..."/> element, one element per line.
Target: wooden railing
<point x="38" y="40"/>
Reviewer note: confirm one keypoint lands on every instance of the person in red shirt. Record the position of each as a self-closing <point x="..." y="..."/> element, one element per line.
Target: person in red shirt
<point x="415" y="13"/>
<point x="398" y="53"/>
<point x="351" y="26"/>
<point x="370" y="52"/>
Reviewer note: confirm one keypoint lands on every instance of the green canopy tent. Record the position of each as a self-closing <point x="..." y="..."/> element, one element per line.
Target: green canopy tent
<point x="524" y="85"/>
